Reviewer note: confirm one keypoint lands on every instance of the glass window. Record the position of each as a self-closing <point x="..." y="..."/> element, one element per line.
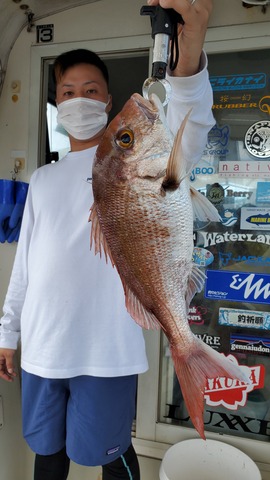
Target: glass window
<point x="232" y="313"/>
<point x="127" y="73"/>
<point x="57" y="136"/>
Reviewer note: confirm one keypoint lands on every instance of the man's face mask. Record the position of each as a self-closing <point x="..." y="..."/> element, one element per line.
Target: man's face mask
<point x="82" y="117"/>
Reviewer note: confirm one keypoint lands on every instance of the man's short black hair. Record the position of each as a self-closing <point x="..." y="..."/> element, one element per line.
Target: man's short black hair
<point x="75" y="57"/>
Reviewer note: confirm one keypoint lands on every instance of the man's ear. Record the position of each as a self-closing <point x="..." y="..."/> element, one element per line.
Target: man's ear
<point x="109" y="104"/>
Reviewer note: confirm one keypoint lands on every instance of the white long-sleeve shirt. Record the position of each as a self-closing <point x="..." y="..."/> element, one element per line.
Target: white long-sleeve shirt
<point x="66" y="304"/>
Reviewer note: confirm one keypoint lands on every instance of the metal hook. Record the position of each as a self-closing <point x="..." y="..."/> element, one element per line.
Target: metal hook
<point x="151" y="81"/>
<point x="164" y="24"/>
<point x="14" y="173"/>
<point x="30" y="16"/>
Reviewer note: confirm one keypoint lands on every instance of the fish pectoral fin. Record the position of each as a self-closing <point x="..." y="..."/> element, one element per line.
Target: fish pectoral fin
<point x="195" y="283"/>
<point x="203" y="209"/>
<point x="176" y="167"/>
<point x="139" y="313"/>
<point x="97" y="237"/>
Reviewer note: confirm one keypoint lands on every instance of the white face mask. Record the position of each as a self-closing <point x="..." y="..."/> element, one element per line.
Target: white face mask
<point x="82" y="117"/>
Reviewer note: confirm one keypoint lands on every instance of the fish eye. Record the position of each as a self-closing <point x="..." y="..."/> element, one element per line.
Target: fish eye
<point x="124" y="138"/>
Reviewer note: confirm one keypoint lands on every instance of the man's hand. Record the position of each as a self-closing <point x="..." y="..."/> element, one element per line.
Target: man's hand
<point x="191" y="35"/>
<point x="7" y="371"/>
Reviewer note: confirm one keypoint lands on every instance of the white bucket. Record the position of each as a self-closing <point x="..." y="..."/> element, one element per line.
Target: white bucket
<point x="198" y="459"/>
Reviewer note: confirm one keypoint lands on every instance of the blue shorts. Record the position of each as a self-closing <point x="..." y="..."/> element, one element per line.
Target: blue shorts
<point x="91" y="416"/>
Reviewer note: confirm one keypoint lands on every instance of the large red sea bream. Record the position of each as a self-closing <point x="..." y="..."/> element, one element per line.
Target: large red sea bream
<point x="142" y="218"/>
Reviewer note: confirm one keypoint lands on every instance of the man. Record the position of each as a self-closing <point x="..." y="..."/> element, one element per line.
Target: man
<point x="81" y="352"/>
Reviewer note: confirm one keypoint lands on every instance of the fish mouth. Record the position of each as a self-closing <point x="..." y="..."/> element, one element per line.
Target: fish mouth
<point x="152" y="108"/>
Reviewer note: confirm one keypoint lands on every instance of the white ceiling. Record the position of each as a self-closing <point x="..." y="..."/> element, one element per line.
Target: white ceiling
<point x="14" y="17"/>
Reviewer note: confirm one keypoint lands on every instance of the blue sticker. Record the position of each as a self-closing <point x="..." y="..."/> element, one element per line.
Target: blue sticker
<point x="248" y="81"/>
<point x="254" y="218"/>
<point x="218" y="137"/>
<point x="238" y="286"/>
<point x="201" y="171"/>
<point x="250" y="345"/>
<point x="228" y="218"/>
<point x="259" y="219"/>
<point x="228" y="258"/>
<point x="202" y="257"/>
<point x="233" y="317"/>
<point x="263" y="192"/>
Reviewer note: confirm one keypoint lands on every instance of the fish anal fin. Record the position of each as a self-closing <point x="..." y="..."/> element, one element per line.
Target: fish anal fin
<point x="195" y="283"/>
<point x="176" y="167"/>
<point x="97" y="237"/>
<point x="203" y="209"/>
<point x="138" y="312"/>
<point x="202" y="363"/>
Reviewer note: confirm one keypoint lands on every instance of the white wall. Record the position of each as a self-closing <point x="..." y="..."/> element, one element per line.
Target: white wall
<point x="104" y="19"/>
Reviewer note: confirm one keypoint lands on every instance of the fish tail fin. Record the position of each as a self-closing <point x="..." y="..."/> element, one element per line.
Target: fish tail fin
<point x="193" y="371"/>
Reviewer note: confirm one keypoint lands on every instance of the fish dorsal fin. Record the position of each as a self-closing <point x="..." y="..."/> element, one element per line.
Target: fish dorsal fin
<point x="97" y="237"/>
<point x="139" y="313"/>
<point x="176" y="167"/>
<point x="203" y="209"/>
<point x="195" y="283"/>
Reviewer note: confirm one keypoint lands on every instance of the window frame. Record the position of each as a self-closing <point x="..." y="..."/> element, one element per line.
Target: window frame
<point x="151" y="438"/>
<point x="41" y="56"/>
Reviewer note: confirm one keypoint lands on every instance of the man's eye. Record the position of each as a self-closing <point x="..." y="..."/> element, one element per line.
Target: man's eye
<point x="125" y="138"/>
